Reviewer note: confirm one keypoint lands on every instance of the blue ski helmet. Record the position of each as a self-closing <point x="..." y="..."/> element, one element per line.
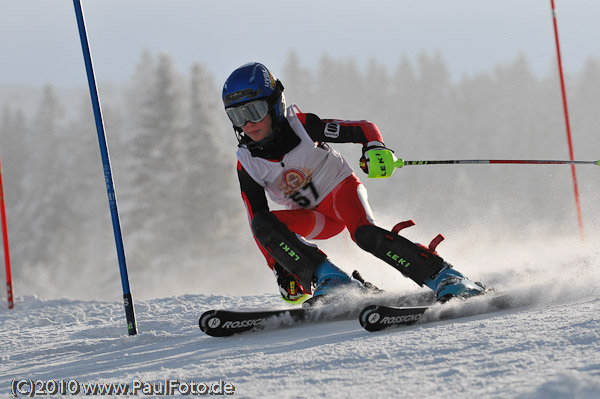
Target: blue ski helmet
<point x="253" y="81"/>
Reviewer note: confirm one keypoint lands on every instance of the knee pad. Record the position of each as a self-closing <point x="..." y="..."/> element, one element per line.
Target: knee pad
<point x="295" y="256"/>
<point x="412" y="260"/>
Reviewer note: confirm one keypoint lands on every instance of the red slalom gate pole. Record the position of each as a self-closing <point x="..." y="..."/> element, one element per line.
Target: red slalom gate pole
<point x="567" y="124"/>
<point x="9" y="287"/>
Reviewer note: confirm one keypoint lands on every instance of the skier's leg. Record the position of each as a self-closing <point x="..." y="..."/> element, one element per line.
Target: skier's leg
<point x="349" y="204"/>
<point x="297" y="257"/>
<point x="412" y="260"/>
<point x="310" y="224"/>
<point x="303" y="260"/>
<point x="416" y="262"/>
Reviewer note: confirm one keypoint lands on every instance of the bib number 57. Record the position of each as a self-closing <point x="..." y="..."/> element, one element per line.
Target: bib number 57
<point x="300" y="196"/>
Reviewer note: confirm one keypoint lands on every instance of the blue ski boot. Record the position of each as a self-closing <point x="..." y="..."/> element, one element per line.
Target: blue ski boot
<point x="331" y="283"/>
<point x="450" y="283"/>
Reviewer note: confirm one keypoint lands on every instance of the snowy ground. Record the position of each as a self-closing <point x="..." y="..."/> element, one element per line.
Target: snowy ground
<point x="550" y="350"/>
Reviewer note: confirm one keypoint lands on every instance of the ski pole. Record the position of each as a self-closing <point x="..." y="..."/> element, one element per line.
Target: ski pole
<point x="384" y="162"/>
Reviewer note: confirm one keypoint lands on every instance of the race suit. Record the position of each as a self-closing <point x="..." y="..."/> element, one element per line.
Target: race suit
<point x="313" y="182"/>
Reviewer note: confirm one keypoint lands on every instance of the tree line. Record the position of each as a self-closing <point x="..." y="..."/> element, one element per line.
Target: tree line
<point x="173" y="156"/>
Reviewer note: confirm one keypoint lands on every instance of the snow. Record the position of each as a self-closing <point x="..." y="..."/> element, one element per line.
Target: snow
<point x="548" y="350"/>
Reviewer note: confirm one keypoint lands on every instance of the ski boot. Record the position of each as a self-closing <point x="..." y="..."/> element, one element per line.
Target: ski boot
<point x="450" y="283"/>
<point x="332" y="283"/>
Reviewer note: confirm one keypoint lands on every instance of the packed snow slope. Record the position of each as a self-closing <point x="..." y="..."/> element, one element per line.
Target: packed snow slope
<point x="547" y="350"/>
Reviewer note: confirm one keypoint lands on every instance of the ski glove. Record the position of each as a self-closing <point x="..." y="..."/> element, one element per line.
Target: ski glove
<point x="365" y="161"/>
<point x="288" y="286"/>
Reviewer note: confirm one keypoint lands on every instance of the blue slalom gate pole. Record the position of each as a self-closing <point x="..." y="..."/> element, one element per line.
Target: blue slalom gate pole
<point x="112" y="198"/>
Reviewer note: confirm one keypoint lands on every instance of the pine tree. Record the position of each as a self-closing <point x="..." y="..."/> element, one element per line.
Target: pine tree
<point x="152" y="165"/>
<point x="45" y="207"/>
<point x="210" y="191"/>
<point x="13" y="150"/>
<point x="298" y="82"/>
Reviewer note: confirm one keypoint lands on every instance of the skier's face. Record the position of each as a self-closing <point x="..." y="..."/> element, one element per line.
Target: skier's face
<point x="258" y="130"/>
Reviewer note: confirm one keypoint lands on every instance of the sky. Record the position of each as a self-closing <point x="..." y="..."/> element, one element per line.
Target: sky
<point x="39" y="40"/>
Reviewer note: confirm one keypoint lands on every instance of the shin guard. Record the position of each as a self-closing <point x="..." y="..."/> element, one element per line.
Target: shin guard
<point x="412" y="260"/>
<point x="296" y="257"/>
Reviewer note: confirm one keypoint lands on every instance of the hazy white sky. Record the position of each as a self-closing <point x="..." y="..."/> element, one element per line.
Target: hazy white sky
<point x="39" y="41"/>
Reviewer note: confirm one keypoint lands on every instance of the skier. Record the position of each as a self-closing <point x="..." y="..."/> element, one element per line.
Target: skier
<point x="283" y="152"/>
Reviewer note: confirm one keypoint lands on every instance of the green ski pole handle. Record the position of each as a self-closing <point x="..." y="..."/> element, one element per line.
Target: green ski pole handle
<point x="382" y="162"/>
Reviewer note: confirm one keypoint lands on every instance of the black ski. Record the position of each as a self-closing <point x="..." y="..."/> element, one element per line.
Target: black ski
<point x="225" y="322"/>
<point x="380" y="317"/>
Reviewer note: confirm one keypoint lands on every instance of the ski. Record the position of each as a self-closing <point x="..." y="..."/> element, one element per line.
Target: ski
<point x="228" y="322"/>
<point x="379" y="317"/>
<point x="224" y="323"/>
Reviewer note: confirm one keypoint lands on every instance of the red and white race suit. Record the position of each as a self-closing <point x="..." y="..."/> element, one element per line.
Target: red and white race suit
<point x="313" y="182"/>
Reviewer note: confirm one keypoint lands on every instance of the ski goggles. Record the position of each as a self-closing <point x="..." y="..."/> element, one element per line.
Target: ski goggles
<point x="254" y="111"/>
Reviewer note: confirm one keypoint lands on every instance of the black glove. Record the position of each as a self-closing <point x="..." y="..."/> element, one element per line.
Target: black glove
<point x="371" y="145"/>
<point x="288" y="286"/>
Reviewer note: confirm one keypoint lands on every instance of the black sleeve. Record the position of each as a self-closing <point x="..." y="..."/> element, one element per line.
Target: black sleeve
<point x="338" y="131"/>
<point x="253" y="193"/>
